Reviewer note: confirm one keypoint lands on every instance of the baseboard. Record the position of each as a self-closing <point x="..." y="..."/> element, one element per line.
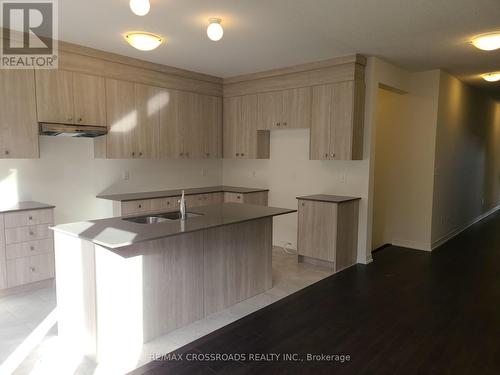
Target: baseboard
<point x="461" y="228"/>
<point x="27" y="287"/>
<point x="412" y="245"/>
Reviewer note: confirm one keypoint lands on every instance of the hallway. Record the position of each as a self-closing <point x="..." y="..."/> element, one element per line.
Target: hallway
<point x="409" y="312"/>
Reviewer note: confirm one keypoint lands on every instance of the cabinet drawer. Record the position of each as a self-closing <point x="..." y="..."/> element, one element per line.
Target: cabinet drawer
<point x="233" y="198"/>
<point x="30" y="269"/>
<point x="23" y="218"/>
<point x="133" y="207"/>
<point x="30" y="233"/>
<point x="25" y="249"/>
<point x="164" y="204"/>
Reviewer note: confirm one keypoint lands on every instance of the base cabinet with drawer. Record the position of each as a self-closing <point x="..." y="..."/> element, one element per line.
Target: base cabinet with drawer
<point x="259" y="198"/>
<point x="26" y="247"/>
<point x="328" y="231"/>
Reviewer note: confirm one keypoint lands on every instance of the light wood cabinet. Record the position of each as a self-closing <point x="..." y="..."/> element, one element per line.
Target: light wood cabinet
<point x="284" y="109"/>
<point x="241" y="138"/>
<point x="337" y="121"/>
<point x="70" y="98"/>
<point x="145" y="136"/>
<point x="122" y="119"/>
<point x="328" y="233"/>
<point x="18" y="125"/>
<point x="190" y="126"/>
<point x="89" y="94"/>
<point x="26" y="247"/>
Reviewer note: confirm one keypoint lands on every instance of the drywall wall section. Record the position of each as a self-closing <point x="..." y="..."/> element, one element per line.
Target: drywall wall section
<point x="404" y="162"/>
<point x="467" y="165"/>
<point x="68" y="176"/>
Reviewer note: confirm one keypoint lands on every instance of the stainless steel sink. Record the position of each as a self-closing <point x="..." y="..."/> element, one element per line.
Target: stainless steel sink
<point x="159" y="218"/>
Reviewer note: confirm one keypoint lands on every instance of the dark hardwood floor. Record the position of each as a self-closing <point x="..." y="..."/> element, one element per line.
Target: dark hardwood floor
<point x="409" y="312"/>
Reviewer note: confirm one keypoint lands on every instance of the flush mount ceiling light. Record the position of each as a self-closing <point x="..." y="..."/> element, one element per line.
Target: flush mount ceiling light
<point x="214" y="29"/>
<point x="143" y="41"/>
<point x="140" y="7"/>
<point x="487" y="42"/>
<point x="491" y="77"/>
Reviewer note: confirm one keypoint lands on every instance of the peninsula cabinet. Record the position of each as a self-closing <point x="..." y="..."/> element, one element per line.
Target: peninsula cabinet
<point x="70" y="98"/>
<point x="241" y="139"/>
<point x="328" y="230"/>
<point x="18" y="125"/>
<point x="337" y="121"/>
<point x="284" y="109"/>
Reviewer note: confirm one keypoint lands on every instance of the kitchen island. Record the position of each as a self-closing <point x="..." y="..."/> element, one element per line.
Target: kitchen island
<point x="122" y="282"/>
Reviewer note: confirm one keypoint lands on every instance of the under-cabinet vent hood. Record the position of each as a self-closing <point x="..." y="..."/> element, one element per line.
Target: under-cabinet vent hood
<point x="72" y="130"/>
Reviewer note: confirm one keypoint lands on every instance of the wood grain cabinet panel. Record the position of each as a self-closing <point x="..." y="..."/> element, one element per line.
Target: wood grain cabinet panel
<point x="212" y="127"/>
<point x="122" y="118"/>
<point x="270" y="110"/>
<point x="337" y="121"/>
<point x="30" y="248"/>
<point x="89" y="96"/>
<point x="328" y="233"/>
<point x="31" y="217"/>
<point x="231" y="117"/>
<point x="54" y="96"/>
<point x="18" y="115"/>
<point x="258" y="198"/>
<point x="171" y="130"/>
<point x="29" y="269"/>
<point x="28" y="233"/>
<point x="148" y="103"/>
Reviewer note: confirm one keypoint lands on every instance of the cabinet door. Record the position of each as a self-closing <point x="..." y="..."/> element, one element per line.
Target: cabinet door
<point x="89" y="96"/>
<point x="258" y="198"/>
<point x="18" y="125"/>
<point x="192" y="125"/>
<point x="171" y="135"/>
<point x="246" y="135"/>
<point x="270" y="110"/>
<point x="320" y="123"/>
<point x="231" y="119"/>
<point x="212" y="126"/>
<point x="54" y="96"/>
<point x="297" y="108"/>
<point x="317" y="230"/>
<point x="148" y="101"/>
<point x="122" y="119"/>
<point x="342" y="120"/>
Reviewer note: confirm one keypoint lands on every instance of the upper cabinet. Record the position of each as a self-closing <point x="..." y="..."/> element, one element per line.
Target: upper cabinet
<point x="241" y="138"/>
<point x="284" y="109"/>
<point x="18" y="125"/>
<point x="70" y="98"/>
<point x="337" y="121"/>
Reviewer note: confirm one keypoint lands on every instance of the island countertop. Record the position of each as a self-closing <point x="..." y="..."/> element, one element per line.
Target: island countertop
<point x="124" y="197"/>
<point x="114" y="233"/>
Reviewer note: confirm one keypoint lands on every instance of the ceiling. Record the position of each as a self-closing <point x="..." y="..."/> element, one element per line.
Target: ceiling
<point x="265" y="34"/>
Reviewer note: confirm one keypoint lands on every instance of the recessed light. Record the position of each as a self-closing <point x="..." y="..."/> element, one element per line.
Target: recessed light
<point x="487" y="42"/>
<point x="143" y="41"/>
<point x="214" y="29"/>
<point x="140" y="7"/>
<point x="491" y="77"/>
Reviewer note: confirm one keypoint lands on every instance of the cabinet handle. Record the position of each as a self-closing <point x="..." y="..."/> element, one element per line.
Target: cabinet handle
<point x="237" y="154"/>
<point x="133" y="153"/>
<point x="80" y="119"/>
<point x="187" y="154"/>
<point x="208" y="153"/>
<point x="32" y="248"/>
<point x="32" y="269"/>
<point x="332" y="155"/>
<point x="238" y="197"/>
<point x="181" y="154"/>
<point x="326" y="155"/>
<point x="279" y="124"/>
<point x="303" y="204"/>
<point x="7" y="152"/>
<point x="31" y="233"/>
<point x="140" y="153"/>
<point x="70" y="118"/>
<point x="242" y="154"/>
<point x="284" y="124"/>
<point x="30" y="218"/>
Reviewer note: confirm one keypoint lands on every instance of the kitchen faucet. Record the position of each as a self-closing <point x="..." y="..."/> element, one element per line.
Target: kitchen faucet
<point x="182" y="207"/>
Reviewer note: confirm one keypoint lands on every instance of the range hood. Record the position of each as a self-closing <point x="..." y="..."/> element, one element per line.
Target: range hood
<point x="83" y="131"/>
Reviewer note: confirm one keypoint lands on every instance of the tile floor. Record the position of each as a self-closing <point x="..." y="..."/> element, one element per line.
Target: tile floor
<point x="26" y="323"/>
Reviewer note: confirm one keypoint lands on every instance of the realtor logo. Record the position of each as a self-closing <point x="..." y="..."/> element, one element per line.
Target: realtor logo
<point x="29" y="34"/>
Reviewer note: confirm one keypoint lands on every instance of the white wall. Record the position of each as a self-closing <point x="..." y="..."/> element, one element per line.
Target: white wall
<point x="404" y="162"/>
<point x="68" y="176"/>
<point x="467" y="157"/>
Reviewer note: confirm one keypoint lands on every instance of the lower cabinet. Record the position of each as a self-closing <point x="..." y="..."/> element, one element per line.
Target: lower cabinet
<point x="26" y="247"/>
<point x="328" y="233"/>
<point x="145" y="206"/>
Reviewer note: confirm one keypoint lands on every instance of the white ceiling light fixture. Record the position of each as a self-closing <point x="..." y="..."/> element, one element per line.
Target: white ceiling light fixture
<point x="214" y="29"/>
<point x="140" y="7"/>
<point x="143" y="41"/>
<point x="487" y="42"/>
<point x="491" y="77"/>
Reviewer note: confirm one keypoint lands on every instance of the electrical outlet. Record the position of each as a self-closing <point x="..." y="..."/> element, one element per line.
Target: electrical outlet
<point x="254" y="174"/>
<point x="342" y="178"/>
<point x="203" y="172"/>
<point x="126" y="175"/>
